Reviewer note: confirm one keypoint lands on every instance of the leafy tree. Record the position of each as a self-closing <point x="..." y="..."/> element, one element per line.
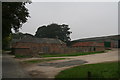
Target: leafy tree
<point x="14" y="14"/>
<point x="54" y="31"/>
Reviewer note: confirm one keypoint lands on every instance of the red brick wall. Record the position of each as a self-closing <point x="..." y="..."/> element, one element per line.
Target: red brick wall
<point x="35" y="48"/>
<point x="89" y="49"/>
<point x="88" y="46"/>
<point x="44" y="48"/>
<point x="22" y="51"/>
<point x="114" y="44"/>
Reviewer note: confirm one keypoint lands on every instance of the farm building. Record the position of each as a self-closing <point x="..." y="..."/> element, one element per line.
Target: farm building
<point x="89" y="46"/>
<point x="35" y="46"/>
<point x="109" y="41"/>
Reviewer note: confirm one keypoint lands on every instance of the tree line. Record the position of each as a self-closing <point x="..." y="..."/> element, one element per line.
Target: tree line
<point x="53" y="30"/>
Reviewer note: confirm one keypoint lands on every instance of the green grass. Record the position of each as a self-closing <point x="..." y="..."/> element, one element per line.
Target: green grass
<point x="72" y="54"/>
<point x="43" y="60"/>
<point x="59" y="55"/>
<point x="100" y="70"/>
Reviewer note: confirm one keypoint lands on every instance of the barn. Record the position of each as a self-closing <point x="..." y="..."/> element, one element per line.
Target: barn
<point x="33" y="46"/>
<point x="89" y="46"/>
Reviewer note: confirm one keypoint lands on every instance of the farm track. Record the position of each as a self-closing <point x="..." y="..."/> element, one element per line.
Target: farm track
<point x="49" y="69"/>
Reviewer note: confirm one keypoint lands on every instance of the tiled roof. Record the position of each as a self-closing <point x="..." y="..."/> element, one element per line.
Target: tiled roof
<point x="87" y="44"/>
<point x="41" y="40"/>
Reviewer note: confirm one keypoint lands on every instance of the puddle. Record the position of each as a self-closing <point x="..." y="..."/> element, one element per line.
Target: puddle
<point x="64" y="64"/>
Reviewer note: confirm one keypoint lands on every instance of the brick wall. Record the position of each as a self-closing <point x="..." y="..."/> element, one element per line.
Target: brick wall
<point x="89" y="46"/>
<point x="35" y="48"/>
<point x="44" y="48"/>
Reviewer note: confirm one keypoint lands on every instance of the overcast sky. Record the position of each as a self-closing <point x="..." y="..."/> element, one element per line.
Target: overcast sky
<point x="85" y="19"/>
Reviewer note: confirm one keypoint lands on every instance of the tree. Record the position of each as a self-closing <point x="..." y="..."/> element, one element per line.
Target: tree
<point x="14" y="14"/>
<point x="54" y="31"/>
<point x="20" y="35"/>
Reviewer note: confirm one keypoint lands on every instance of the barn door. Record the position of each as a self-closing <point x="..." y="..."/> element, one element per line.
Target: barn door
<point x="107" y="44"/>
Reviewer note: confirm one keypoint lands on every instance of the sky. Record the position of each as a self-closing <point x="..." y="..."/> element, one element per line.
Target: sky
<point x="85" y="19"/>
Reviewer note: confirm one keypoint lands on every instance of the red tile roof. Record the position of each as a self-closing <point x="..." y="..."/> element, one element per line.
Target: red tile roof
<point x="87" y="44"/>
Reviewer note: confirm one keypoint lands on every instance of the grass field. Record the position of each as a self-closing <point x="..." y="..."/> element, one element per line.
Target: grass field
<point x="43" y="60"/>
<point x="100" y="70"/>
<point x="72" y="54"/>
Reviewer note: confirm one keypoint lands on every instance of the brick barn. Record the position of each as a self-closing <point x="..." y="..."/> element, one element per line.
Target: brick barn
<point x="35" y="46"/>
<point x="32" y="46"/>
<point x="88" y="46"/>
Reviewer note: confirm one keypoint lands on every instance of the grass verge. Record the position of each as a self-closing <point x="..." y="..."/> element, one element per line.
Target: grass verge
<point x="59" y="55"/>
<point x="43" y="60"/>
<point x="72" y="54"/>
<point x="100" y="70"/>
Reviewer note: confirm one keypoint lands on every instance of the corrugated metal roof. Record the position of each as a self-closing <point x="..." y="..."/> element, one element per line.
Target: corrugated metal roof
<point x="100" y="39"/>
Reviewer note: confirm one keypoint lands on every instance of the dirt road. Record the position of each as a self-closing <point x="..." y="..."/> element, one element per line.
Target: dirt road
<point x="52" y="68"/>
<point x="11" y="68"/>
